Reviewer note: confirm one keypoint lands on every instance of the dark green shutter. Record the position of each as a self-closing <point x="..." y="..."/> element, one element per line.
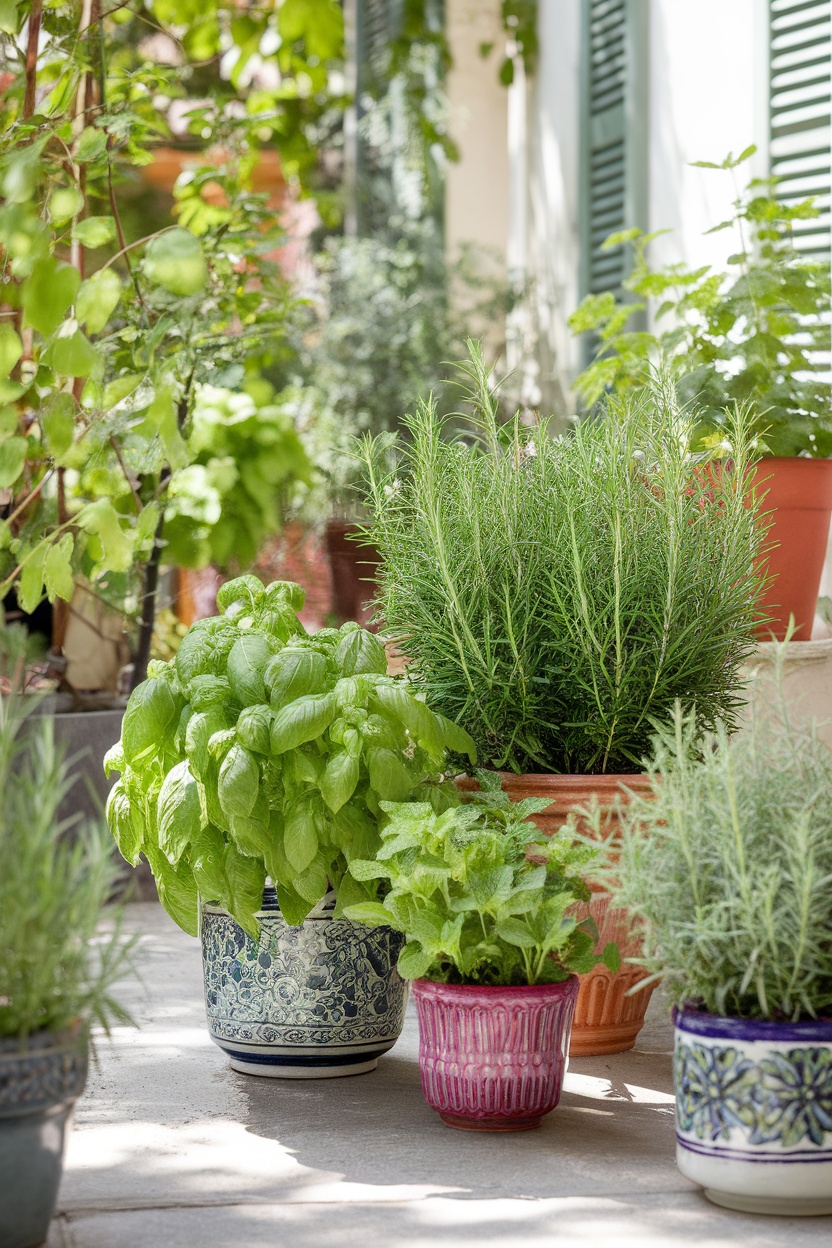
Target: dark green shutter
<point x="614" y="122"/>
<point x="377" y="23"/>
<point x="799" y="111"/>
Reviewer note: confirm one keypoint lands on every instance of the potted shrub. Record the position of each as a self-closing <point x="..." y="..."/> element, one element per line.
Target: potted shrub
<point x="258" y="759"/>
<point x="556" y="595"/>
<point x="756" y="334"/>
<point x="726" y="871"/>
<point x="55" y="980"/>
<point x="492" y="947"/>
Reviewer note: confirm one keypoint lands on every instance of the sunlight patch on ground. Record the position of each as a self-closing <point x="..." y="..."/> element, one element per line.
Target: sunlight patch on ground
<point x="602" y="1090"/>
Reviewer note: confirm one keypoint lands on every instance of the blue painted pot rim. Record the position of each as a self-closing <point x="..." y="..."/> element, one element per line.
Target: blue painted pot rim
<point x="715" y="1026"/>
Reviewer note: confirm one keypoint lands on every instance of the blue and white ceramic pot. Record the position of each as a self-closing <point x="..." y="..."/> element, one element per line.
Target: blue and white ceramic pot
<point x="754" y="1111"/>
<point x="309" y="1002"/>
<point x="40" y="1080"/>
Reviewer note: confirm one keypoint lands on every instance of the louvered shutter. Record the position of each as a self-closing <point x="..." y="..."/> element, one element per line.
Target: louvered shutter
<point x="799" y="110"/>
<point x="376" y="22"/>
<point x="614" y="132"/>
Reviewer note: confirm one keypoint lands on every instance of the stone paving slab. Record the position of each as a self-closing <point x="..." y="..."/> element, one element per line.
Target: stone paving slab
<point x="171" y="1147"/>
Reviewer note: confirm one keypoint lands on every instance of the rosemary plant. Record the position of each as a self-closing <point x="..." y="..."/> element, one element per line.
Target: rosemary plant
<point x="56" y="967"/>
<point x="556" y="595"/>
<point x="727" y="869"/>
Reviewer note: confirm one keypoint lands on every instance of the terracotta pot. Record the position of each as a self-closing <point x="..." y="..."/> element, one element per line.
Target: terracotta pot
<point x="353" y="568"/>
<point x="799" y="494"/>
<point x="493" y="1059"/>
<point x="607" y="1020"/>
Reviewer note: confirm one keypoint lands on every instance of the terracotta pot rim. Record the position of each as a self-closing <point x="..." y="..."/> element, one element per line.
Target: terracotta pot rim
<point x="434" y="987"/>
<point x="559" y="781"/>
<point x="792" y="459"/>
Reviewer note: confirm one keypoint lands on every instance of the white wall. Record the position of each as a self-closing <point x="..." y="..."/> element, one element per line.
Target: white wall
<point x="707" y="71"/>
<point x="554" y="182"/>
<point x="476" y="195"/>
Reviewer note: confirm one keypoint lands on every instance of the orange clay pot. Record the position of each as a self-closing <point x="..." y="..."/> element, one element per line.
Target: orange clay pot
<point x="606" y="1019"/>
<point x="798" y="493"/>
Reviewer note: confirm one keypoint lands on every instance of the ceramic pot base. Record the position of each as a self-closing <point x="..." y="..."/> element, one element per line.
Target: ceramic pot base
<point x="499" y="1125"/>
<point x="770" y="1204"/>
<point x="313" y="1069"/>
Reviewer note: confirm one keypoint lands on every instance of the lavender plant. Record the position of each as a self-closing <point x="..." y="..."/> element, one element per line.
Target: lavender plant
<point x="726" y="868"/>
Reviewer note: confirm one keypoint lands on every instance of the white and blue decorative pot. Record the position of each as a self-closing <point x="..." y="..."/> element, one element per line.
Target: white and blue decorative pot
<point x="308" y="1002"/>
<point x="754" y="1111"/>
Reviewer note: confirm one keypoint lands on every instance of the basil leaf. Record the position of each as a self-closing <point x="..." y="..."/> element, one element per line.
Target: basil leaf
<point x="359" y="651"/>
<point x="456" y="738"/>
<point x="293" y="907"/>
<point x="251" y="832"/>
<point x="177" y="890"/>
<point x="201" y="728"/>
<point x="300" y="836"/>
<point x="239" y="781"/>
<point x="207" y="691"/>
<point x="208" y="864"/>
<point x="246" y="878"/>
<point x="151" y="716"/>
<point x="285" y="593"/>
<point x="247" y="660"/>
<point x="178" y="811"/>
<point x="204" y="649"/>
<point x="253" y="728"/>
<point x="294" y="673"/>
<point x="339" y="780"/>
<point x="301" y="721"/>
<point x="390" y="778"/>
<point x="423" y="726"/>
<point x="245" y="589"/>
<point x="126" y="823"/>
<point x="312" y="884"/>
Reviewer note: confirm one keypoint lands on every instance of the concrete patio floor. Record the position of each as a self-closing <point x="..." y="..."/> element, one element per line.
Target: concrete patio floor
<point x="173" y="1149"/>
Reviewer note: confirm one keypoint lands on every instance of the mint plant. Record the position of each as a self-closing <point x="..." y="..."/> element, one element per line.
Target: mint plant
<point x="262" y="751"/>
<point x="754" y="334"/>
<point x="481" y="898"/>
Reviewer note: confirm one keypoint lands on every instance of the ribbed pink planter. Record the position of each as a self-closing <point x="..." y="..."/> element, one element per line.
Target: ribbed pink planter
<point x="493" y="1059"/>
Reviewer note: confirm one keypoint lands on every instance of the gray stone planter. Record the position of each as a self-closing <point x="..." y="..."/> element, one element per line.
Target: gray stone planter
<point x="39" y="1085"/>
<point x="86" y="736"/>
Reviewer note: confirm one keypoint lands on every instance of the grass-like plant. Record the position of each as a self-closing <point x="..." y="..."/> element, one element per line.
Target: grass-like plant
<point x="56" y="967"/>
<point x="727" y="869"/>
<point x="556" y="595"/>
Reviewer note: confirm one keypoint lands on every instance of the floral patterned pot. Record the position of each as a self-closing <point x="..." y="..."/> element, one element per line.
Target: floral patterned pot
<point x="40" y="1081"/>
<point x="493" y="1059"/>
<point x="754" y="1112"/>
<point x="608" y="1016"/>
<point x="309" y="1002"/>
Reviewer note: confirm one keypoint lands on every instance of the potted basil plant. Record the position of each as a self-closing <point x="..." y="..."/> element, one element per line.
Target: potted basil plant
<point x="57" y="968"/>
<point x="493" y="946"/>
<point x="555" y="595"/>
<point x="726" y="870"/>
<point x="253" y="768"/>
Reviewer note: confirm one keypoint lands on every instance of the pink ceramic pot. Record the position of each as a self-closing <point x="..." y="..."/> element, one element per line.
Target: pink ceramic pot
<point x="493" y="1059"/>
